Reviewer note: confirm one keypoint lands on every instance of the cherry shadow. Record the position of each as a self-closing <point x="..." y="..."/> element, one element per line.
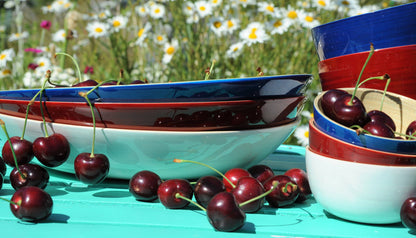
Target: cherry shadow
<point x="112" y="194"/>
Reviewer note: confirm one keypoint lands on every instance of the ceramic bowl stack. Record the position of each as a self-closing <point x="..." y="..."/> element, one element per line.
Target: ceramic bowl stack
<point x="343" y="47"/>
<point x="225" y="123"/>
<point x="358" y="176"/>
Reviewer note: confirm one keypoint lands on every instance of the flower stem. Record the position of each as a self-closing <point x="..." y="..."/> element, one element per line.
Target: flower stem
<point x="208" y="73"/>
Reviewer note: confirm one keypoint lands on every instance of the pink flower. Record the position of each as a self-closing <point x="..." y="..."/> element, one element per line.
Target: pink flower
<point x="32" y="66"/>
<point x="34" y="50"/>
<point x="89" y="70"/>
<point x="45" y="24"/>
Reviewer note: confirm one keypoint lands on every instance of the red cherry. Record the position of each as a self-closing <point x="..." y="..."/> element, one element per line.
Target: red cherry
<point x="234" y="175"/>
<point x="31" y="204"/>
<point x="246" y="189"/>
<point x="167" y="193"/>
<point x="408" y="213"/>
<point x="86" y="83"/>
<point x="224" y="214"/>
<point x="286" y="192"/>
<point x="52" y="150"/>
<point x="349" y="112"/>
<point x="91" y="169"/>
<point x="22" y="149"/>
<point x="378" y="128"/>
<point x="34" y="175"/>
<point x="144" y="185"/>
<point x="207" y="187"/>
<point x="261" y="172"/>
<point x="301" y="179"/>
<point x="376" y="115"/>
<point x="328" y="100"/>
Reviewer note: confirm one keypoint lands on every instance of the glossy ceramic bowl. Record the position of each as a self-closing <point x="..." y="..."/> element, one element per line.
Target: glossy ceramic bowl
<point x="130" y="151"/>
<point x="385" y="28"/>
<point x="359" y="192"/>
<point x="400" y="108"/>
<point x="213" y="115"/>
<point x="398" y="62"/>
<point x="327" y="145"/>
<point x="208" y="90"/>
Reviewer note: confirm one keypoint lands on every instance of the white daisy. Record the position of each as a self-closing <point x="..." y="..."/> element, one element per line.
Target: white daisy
<point x="141" y="10"/>
<point x="169" y="50"/>
<point x="189" y="8"/>
<point x="9" y="4"/>
<point x="203" y="8"/>
<point x="103" y="15"/>
<point x="142" y="34"/>
<point x="292" y="14"/>
<point x="18" y="36"/>
<point x="254" y="33"/>
<point x="307" y="114"/>
<point x="235" y="50"/>
<point x="346" y="5"/>
<point x="5" y="56"/>
<point x="245" y="3"/>
<point x="231" y="25"/>
<point x="302" y="134"/>
<point x="363" y="10"/>
<point x="97" y="29"/>
<point x="5" y="73"/>
<point x="267" y="8"/>
<point x="60" y="6"/>
<point x="59" y="36"/>
<point x="278" y="26"/>
<point x="307" y="20"/>
<point x="217" y="26"/>
<point x="44" y="63"/>
<point x="117" y="23"/>
<point x="160" y="39"/>
<point x="215" y="3"/>
<point x="157" y="11"/>
<point x="323" y="4"/>
<point x="47" y="9"/>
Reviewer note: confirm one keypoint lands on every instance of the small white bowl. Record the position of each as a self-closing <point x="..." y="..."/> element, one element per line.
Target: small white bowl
<point x="130" y="151"/>
<point x="359" y="192"/>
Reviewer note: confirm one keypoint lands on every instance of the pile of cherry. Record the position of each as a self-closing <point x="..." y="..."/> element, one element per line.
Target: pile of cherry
<point x="228" y="198"/>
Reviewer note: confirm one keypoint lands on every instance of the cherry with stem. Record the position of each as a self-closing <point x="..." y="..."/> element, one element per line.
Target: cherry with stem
<point x="91" y="168"/>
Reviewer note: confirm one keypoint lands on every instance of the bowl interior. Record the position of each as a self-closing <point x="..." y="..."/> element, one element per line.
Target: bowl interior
<point x="400" y="108"/>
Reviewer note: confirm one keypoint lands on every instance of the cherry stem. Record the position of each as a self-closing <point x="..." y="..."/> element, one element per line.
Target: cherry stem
<point x="85" y="96"/>
<point x="287" y="185"/>
<point x="9" y="201"/>
<point x="178" y="195"/>
<point x="196" y="162"/>
<point x="48" y="76"/>
<point x="208" y="73"/>
<point x="359" y="130"/>
<point x="274" y="186"/>
<point x="3" y="126"/>
<point x="384" y="77"/>
<point x="361" y="73"/>
<point x="75" y="62"/>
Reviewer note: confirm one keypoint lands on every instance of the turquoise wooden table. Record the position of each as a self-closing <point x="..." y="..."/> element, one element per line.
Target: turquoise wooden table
<point x="109" y="210"/>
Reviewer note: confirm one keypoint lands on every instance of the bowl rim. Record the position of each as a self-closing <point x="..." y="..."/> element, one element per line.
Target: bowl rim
<point x="364" y="15"/>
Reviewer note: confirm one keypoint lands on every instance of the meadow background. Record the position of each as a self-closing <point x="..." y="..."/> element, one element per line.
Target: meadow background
<point x="166" y="41"/>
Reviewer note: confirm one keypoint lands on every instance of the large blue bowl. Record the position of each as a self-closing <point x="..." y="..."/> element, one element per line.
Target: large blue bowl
<point x="398" y="107"/>
<point x="385" y="28"/>
<point x="208" y="90"/>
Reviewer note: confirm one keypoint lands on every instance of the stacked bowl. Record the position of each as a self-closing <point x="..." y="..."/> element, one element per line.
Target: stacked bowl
<point x="355" y="175"/>
<point x="224" y="123"/>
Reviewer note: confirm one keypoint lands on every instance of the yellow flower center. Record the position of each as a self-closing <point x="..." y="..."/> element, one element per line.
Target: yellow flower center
<point x="2" y="56"/>
<point x="270" y="8"/>
<point x="17" y="34"/>
<point x="159" y="38"/>
<point x="140" y="33"/>
<point x="277" y="24"/>
<point x="116" y="23"/>
<point x="322" y="3"/>
<point x="63" y="34"/>
<point x="308" y="18"/>
<point x="42" y="64"/>
<point x="215" y="1"/>
<point x="253" y="34"/>
<point x="101" y="15"/>
<point x="292" y="15"/>
<point x="217" y="24"/>
<point x="157" y="10"/>
<point x="202" y="8"/>
<point x="235" y="49"/>
<point x="170" y="50"/>
<point x="98" y="29"/>
<point x="67" y="5"/>
<point x="230" y="23"/>
<point x="6" y="72"/>
<point x="306" y="134"/>
<point x="60" y="2"/>
<point x="189" y="8"/>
